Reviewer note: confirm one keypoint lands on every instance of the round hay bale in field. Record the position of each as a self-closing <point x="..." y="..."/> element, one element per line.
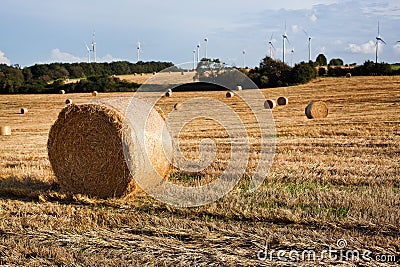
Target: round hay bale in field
<point x="68" y="101"/>
<point x="317" y="110"/>
<point x="269" y="104"/>
<point x="282" y="101"/>
<point x="229" y="94"/>
<point x="95" y="93"/>
<point x="169" y="90"/>
<point x="177" y="106"/>
<point x="61" y="92"/>
<point x="5" y="130"/>
<point x="168" y="94"/>
<point x="100" y="148"/>
<point x="239" y="88"/>
<point x="348" y="75"/>
<point x="24" y="110"/>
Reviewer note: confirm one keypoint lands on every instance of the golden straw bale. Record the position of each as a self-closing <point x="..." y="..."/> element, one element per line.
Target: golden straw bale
<point x="92" y="147"/>
<point x="317" y="110"/>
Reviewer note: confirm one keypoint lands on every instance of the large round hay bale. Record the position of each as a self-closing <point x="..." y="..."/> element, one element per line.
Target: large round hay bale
<point x="348" y="75"/>
<point x="68" y="101"/>
<point x="62" y="92"/>
<point x="169" y="90"/>
<point x="177" y="106"/>
<point x="270" y="104"/>
<point x="282" y="101"/>
<point x="24" y="110"/>
<point x="92" y="147"/>
<point x="239" y="88"/>
<point x="317" y="110"/>
<point x="95" y="93"/>
<point x="5" y="130"/>
<point x="168" y="94"/>
<point x="229" y="94"/>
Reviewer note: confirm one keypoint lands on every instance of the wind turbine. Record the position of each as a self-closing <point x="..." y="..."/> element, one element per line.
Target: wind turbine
<point x="88" y="51"/>
<point x="378" y="39"/>
<point x="271" y="46"/>
<point x="138" y="51"/>
<point x="94" y="46"/>
<point x="194" y="59"/>
<point x="284" y="37"/>
<point x="309" y="45"/>
<point x="292" y="51"/>
<point x="198" y="53"/>
<point x="206" y="41"/>
<point x="244" y="58"/>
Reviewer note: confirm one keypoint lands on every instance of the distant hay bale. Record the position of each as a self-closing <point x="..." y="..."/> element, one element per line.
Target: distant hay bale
<point x="24" y="110"/>
<point x="61" y="92"/>
<point x="177" y="106"/>
<point x="68" y="101"/>
<point x="282" y="101"/>
<point x="270" y="104"/>
<point x="182" y="73"/>
<point x="348" y="75"/>
<point x="95" y="93"/>
<point x="92" y="147"/>
<point x="239" y="88"/>
<point x="169" y="90"/>
<point x="229" y="94"/>
<point x="5" y="130"/>
<point x="168" y="93"/>
<point x="317" y="110"/>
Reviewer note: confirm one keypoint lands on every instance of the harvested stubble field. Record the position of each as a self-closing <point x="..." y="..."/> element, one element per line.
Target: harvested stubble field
<point x="333" y="178"/>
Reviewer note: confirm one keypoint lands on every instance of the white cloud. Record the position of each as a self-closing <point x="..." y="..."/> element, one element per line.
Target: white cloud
<point x="397" y="48"/>
<point x="338" y="42"/>
<point x="58" y="56"/>
<point x="4" y="59"/>
<point x="296" y="28"/>
<point x="367" y="48"/>
<point x="313" y="18"/>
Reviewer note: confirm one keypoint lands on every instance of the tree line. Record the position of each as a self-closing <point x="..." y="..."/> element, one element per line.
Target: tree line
<point x="274" y="73"/>
<point x="48" y="78"/>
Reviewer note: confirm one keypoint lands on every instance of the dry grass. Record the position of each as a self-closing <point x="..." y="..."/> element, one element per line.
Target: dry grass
<point x="332" y="178"/>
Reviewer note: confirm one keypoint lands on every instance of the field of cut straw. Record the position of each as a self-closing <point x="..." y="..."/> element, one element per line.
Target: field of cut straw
<point x="333" y="179"/>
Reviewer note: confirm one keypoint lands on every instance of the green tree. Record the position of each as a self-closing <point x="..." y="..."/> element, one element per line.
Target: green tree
<point x="336" y="62"/>
<point x="321" y="60"/>
<point x="303" y="73"/>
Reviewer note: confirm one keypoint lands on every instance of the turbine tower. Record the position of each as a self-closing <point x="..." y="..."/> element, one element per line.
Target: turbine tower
<point x="309" y="46"/>
<point x="206" y="47"/>
<point x="88" y="51"/>
<point x="198" y="53"/>
<point x="194" y="59"/>
<point x="94" y="46"/>
<point x="244" y="58"/>
<point x="285" y="38"/>
<point x="138" y="51"/>
<point x="292" y="51"/>
<point x="271" y="46"/>
<point x="378" y="39"/>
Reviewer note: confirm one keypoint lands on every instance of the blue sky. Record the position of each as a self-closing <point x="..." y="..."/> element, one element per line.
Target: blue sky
<point x="43" y="31"/>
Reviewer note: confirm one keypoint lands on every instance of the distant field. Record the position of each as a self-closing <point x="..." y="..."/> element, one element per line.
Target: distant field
<point x="395" y="67"/>
<point x="334" y="178"/>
